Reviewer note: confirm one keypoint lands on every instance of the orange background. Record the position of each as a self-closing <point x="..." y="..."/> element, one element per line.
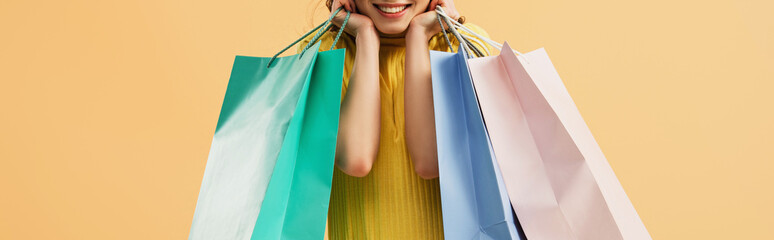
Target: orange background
<point x="107" y="108"/>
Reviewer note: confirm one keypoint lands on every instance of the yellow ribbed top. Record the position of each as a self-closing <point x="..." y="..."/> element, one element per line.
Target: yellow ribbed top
<point x="392" y="201"/>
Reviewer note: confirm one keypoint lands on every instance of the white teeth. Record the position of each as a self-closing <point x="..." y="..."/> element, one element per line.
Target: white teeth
<point x="392" y="9"/>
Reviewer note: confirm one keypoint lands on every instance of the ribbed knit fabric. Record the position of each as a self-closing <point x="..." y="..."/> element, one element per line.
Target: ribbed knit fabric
<point x="392" y="201"/>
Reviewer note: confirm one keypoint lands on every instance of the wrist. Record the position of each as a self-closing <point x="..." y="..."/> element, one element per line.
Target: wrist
<point x="367" y="37"/>
<point x="418" y="33"/>
<point x="418" y="30"/>
<point x="366" y="29"/>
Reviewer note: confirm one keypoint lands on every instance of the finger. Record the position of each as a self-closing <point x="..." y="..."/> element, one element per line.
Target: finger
<point x="451" y="12"/>
<point x="335" y="5"/>
<point x="432" y="5"/>
<point x="448" y="6"/>
<point x="337" y="19"/>
<point x="354" y="6"/>
<point x="351" y="6"/>
<point x="454" y="15"/>
<point x="339" y="4"/>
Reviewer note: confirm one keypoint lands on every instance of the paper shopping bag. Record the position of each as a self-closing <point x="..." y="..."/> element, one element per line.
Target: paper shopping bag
<point x="296" y="204"/>
<point x="474" y="202"/>
<point x="256" y="112"/>
<point x="558" y="180"/>
<point x="270" y="167"/>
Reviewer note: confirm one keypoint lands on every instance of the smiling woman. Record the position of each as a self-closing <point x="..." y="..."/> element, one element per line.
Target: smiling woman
<point x="108" y="110"/>
<point x="385" y="185"/>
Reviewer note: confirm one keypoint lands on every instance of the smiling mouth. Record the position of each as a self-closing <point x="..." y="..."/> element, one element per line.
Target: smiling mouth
<point x="391" y="10"/>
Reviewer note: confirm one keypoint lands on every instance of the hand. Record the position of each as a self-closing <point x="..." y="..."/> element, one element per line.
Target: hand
<point x="357" y="23"/>
<point x="427" y="23"/>
<point x="447" y="5"/>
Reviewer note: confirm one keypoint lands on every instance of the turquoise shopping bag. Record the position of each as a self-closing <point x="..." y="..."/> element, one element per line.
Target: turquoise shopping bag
<point x="296" y="204"/>
<point x="254" y="118"/>
<point x="273" y="148"/>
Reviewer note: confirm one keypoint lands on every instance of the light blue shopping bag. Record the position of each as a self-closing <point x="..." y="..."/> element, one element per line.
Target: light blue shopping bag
<point x="474" y="201"/>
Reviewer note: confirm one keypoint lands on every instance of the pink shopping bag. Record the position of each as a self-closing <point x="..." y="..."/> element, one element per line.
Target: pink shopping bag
<point x="559" y="182"/>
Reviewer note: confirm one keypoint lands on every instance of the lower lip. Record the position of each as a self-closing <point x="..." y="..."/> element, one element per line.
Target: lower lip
<point x="393" y="15"/>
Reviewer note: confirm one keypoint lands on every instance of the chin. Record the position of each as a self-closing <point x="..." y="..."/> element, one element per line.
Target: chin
<point x="392" y="29"/>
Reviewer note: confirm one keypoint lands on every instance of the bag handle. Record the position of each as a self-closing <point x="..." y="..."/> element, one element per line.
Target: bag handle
<point x="491" y="42"/>
<point x="443" y="29"/>
<point x="325" y="27"/>
<point x="463" y="46"/>
<point x="465" y="40"/>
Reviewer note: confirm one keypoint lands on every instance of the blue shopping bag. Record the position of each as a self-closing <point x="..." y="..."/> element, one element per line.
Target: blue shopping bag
<point x="474" y="202"/>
